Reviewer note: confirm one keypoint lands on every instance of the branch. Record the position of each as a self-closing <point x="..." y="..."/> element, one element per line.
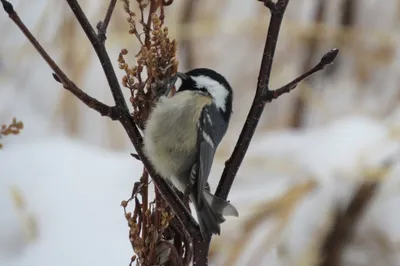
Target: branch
<point x="263" y="94"/>
<point x="271" y="5"/>
<point x="176" y="204"/>
<point x="126" y="120"/>
<point x="345" y="224"/>
<point x="101" y="52"/>
<point x="153" y="8"/>
<point x="59" y="75"/>
<point x="119" y="112"/>
<point x="311" y="46"/>
<point x="169" y="195"/>
<point x="102" y="25"/>
<point x="327" y="59"/>
<point x="234" y="162"/>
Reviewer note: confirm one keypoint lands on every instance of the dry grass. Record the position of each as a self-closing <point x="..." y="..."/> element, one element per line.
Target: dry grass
<point x="28" y="220"/>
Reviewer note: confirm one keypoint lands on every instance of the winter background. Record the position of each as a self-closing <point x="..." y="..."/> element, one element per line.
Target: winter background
<point x="63" y="178"/>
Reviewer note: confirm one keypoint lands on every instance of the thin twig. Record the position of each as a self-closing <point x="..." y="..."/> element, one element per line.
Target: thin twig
<point x="186" y="241"/>
<point x="263" y="95"/>
<point x="177" y="206"/>
<point x="312" y="44"/>
<point x="145" y="204"/>
<point x="102" y="54"/>
<point x="157" y="214"/>
<point x="327" y="59"/>
<point x="59" y="75"/>
<point x="153" y="8"/>
<point x="119" y="112"/>
<point x="102" y="25"/>
<point x="270" y="4"/>
<point x="126" y="120"/>
<point x="174" y="254"/>
<point x="134" y="155"/>
<point x="234" y="162"/>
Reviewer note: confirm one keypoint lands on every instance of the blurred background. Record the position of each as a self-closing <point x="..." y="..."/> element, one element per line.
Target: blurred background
<point x="63" y="177"/>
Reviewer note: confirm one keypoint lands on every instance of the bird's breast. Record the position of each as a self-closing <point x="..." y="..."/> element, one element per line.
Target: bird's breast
<point x="170" y="136"/>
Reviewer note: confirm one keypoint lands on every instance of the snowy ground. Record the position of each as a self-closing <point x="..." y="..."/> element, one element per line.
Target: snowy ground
<point x="336" y="157"/>
<point x="73" y="192"/>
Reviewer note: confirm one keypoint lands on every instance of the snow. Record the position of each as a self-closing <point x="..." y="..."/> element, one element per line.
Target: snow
<point x="336" y="157"/>
<point x="74" y="190"/>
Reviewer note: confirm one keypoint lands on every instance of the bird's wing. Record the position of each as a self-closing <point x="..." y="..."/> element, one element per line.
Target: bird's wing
<point x="211" y="129"/>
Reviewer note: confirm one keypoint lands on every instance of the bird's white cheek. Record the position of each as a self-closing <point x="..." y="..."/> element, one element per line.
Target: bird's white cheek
<point x="216" y="89"/>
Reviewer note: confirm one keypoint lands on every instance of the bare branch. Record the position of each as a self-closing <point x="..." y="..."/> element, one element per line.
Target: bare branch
<point x="145" y="204"/>
<point x="8" y="7"/>
<point x="176" y="204"/>
<point x="59" y="75"/>
<point x="126" y="120"/>
<point x="200" y="251"/>
<point x="153" y="8"/>
<point x="102" y="25"/>
<point x="270" y="4"/>
<point x="119" y="112"/>
<point x="134" y="155"/>
<point x="327" y="59"/>
<point x="101" y="53"/>
<point x="263" y="95"/>
<point x="234" y="162"/>
<point x="130" y="127"/>
<point x="311" y="46"/>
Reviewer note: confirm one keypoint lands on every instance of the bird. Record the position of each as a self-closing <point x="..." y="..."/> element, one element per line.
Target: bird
<point x="181" y="137"/>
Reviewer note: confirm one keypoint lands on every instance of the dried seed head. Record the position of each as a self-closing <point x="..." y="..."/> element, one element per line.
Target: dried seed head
<point x="124" y="203"/>
<point x="128" y="215"/>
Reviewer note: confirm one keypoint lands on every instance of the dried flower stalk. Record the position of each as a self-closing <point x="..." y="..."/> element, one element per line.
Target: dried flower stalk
<point x="156" y="61"/>
<point x="12" y="129"/>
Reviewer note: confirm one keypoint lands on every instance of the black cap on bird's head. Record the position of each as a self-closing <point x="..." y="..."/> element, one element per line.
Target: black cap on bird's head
<point x="208" y="81"/>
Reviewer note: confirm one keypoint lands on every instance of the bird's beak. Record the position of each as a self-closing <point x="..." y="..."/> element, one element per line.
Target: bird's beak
<point x="182" y="76"/>
<point x="170" y="84"/>
<point x="172" y="81"/>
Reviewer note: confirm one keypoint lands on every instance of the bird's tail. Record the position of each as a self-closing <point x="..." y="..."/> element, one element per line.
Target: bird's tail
<point x="211" y="212"/>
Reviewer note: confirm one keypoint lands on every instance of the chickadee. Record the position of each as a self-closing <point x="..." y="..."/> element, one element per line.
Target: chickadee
<point x="182" y="135"/>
